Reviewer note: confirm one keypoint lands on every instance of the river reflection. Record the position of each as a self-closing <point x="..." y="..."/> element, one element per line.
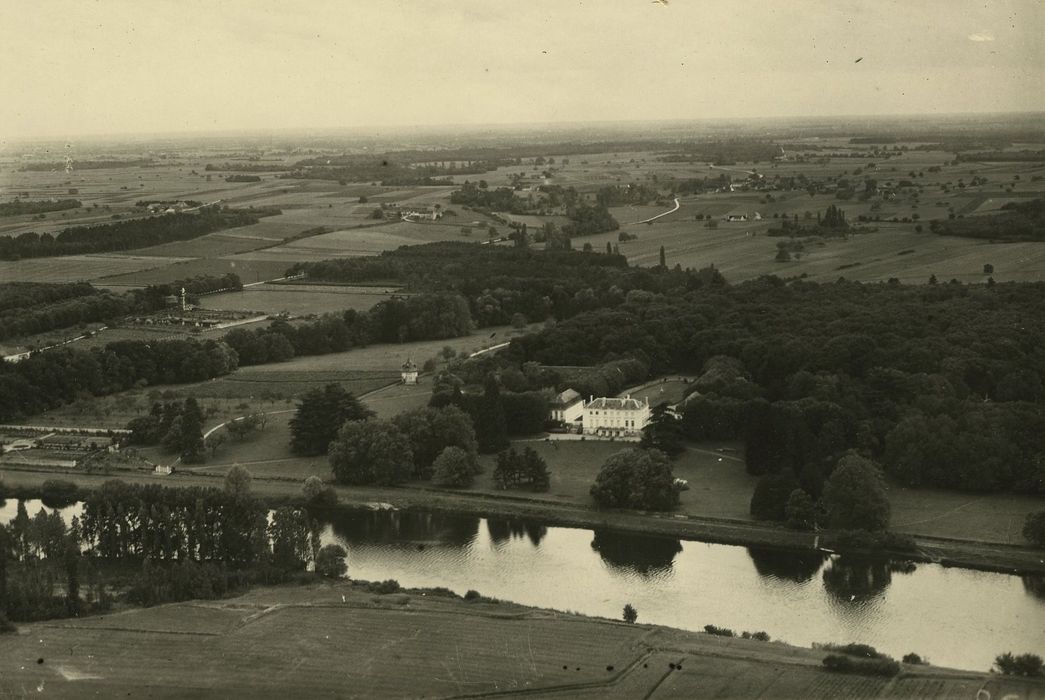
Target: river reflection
<point x="796" y="596"/>
<point x="798" y="566"/>
<point x="502" y="531"/>
<point x="646" y="555"/>
<point x="402" y="527"/>
<point x="1035" y="585"/>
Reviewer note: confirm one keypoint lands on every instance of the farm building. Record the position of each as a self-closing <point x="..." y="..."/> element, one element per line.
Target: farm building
<point x="424" y="213"/>
<point x="409" y="372"/>
<point x="568" y="409"/>
<point x="616" y="417"/>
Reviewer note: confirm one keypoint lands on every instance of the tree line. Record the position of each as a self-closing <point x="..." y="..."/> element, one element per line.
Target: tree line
<point x="17" y="207"/>
<point x="398" y="320"/>
<point x="1017" y="221"/>
<point x="174" y="544"/>
<point x="88" y="308"/>
<point x="129" y="234"/>
<point x="499" y="282"/>
<point x="50" y="379"/>
<point x="440" y="442"/>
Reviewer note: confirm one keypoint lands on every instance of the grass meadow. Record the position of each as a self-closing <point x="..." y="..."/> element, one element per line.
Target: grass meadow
<point x="311" y="635"/>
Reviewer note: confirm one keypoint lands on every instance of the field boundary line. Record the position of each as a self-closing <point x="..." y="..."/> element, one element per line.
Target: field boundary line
<point x="136" y="631"/>
<point x="565" y="687"/>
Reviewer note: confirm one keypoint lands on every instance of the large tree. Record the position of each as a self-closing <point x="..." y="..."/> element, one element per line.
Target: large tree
<point x="490" y="426"/>
<point x="432" y="430"/>
<point x="454" y="468"/>
<point x="663" y="432"/>
<point x="636" y="478"/>
<point x="855" y="495"/>
<point x="289" y="533"/>
<point x="1034" y="528"/>
<point x="320" y="415"/>
<point x="521" y="470"/>
<point x="371" y="452"/>
<point x="769" y="500"/>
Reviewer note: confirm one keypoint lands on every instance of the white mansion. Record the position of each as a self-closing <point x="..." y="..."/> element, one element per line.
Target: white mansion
<point x="602" y="417"/>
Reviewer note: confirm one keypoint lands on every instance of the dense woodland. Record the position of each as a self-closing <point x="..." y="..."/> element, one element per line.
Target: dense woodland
<point x="27" y="308"/>
<point x="1018" y="221"/>
<point x="432" y="316"/>
<point x="60" y="376"/>
<point x="130" y="234"/>
<point x="499" y="282"/>
<point x="86" y="308"/>
<point x="17" y="207"/>
<point x="942" y="385"/>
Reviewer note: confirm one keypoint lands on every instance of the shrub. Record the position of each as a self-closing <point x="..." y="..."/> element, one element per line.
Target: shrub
<point x="1034" y="528"/>
<point x="867" y="667"/>
<point x="384" y="587"/>
<point x="718" y="631"/>
<point x="472" y="595"/>
<point x="1029" y="665"/>
<point x="56" y="493"/>
<point x="757" y="636"/>
<point x="800" y="511"/>
<point x="630" y="614"/>
<point x="454" y="468"/>
<point x="330" y="561"/>
<point x="772" y="492"/>
<point x="865" y="650"/>
<point x="317" y="493"/>
<point x="238" y="481"/>
<point x="914" y="659"/>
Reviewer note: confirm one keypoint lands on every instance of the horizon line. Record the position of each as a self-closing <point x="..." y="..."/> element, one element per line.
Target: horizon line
<point x="466" y="127"/>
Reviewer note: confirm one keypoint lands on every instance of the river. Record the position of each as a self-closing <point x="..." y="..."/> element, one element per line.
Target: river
<point x="954" y="617"/>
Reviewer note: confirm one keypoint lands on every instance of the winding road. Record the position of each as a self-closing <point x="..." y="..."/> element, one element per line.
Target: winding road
<point x="654" y="218"/>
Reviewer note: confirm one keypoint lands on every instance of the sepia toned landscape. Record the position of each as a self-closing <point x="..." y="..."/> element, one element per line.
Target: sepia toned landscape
<point x="408" y="350"/>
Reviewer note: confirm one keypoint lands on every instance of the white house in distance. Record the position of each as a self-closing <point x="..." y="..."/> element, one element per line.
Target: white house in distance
<point x="409" y="372"/>
<point x="616" y="417"/>
<point x="568" y="408"/>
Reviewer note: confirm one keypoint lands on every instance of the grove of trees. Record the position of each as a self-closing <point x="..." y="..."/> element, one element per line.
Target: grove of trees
<point x="128" y="234"/>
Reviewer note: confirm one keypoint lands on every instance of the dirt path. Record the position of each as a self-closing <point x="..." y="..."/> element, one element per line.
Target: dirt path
<point x="654" y="218"/>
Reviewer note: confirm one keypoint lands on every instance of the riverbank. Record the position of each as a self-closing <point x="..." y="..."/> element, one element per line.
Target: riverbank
<point x="1010" y="559"/>
<point x="338" y="639"/>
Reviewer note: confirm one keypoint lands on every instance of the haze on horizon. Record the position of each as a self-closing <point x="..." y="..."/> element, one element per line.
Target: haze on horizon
<point x="121" y="67"/>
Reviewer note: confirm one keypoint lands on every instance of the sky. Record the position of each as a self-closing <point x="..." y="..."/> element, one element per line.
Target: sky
<point x="109" y="67"/>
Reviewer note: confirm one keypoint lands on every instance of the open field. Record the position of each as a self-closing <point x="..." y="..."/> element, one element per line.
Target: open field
<point x="74" y="268"/>
<point x="718" y="484"/>
<point x="986" y="517"/>
<point x="388" y="357"/>
<point x="248" y="271"/>
<point x="306" y="641"/>
<point x="297" y="300"/>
